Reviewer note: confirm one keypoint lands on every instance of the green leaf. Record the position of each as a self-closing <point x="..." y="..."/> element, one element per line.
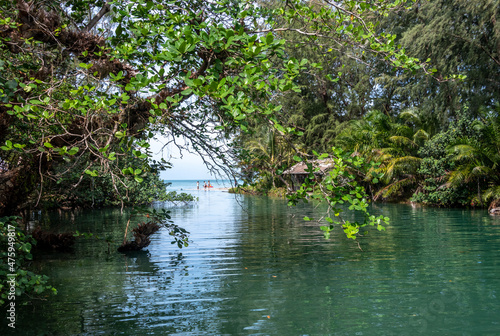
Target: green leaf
<point x="269" y="38"/>
<point x="73" y="151"/>
<point x="11" y="84"/>
<point x="85" y="66"/>
<point x="92" y="173"/>
<point x="8" y="145"/>
<point x="186" y="92"/>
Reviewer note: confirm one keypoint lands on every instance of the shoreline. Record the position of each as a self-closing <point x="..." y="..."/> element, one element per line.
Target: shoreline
<point x="202" y="189"/>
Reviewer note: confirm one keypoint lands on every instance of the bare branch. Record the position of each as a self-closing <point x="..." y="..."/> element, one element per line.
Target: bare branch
<point x="104" y="10"/>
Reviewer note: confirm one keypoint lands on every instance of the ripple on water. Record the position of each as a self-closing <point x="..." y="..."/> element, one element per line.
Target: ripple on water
<point x="254" y="267"/>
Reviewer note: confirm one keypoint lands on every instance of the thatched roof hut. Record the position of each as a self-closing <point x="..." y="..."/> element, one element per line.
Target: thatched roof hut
<point x="298" y="171"/>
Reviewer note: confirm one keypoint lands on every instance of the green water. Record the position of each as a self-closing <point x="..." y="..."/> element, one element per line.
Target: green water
<point x="255" y="268"/>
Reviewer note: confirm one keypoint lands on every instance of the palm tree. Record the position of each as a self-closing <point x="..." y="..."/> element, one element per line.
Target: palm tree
<point x="424" y="126"/>
<point x="270" y="152"/>
<point x="398" y="173"/>
<point x="366" y="135"/>
<point x="479" y="160"/>
<point x="394" y="144"/>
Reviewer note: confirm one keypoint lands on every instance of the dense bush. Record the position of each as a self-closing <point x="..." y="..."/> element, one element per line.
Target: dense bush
<point x="100" y="191"/>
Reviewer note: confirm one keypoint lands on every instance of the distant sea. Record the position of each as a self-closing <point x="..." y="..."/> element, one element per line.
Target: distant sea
<point x="177" y="185"/>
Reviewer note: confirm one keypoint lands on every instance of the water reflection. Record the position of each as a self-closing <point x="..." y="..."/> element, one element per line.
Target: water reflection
<point x="255" y="267"/>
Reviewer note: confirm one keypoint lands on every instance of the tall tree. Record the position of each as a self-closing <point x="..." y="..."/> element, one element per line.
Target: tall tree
<point x="459" y="37"/>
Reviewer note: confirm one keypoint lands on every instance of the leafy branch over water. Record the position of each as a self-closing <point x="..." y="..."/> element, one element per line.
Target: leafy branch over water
<point x="339" y="187"/>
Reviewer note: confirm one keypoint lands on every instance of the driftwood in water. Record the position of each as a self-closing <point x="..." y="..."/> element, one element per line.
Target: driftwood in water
<point x="57" y="241"/>
<point x="495" y="211"/>
<point x="494" y="207"/>
<point x="141" y="237"/>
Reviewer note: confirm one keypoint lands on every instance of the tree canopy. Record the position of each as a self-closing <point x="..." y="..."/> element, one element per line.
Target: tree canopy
<point x="85" y="84"/>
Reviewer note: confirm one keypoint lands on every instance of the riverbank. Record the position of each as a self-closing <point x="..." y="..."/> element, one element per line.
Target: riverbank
<point x="281" y="192"/>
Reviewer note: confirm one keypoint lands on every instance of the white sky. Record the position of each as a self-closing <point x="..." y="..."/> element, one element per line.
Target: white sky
<point x="190" y="167"/>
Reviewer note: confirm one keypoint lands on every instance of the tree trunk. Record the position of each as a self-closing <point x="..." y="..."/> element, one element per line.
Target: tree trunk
<point x="479" y="193"/>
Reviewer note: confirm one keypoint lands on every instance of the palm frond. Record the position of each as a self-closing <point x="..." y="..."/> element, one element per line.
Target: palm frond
<point x="394" y="187"/>
<point x="410" y="115"/>
<point x="492" y="193"/>
<point x="459" y="176"/>
<point x="420" y="136"/>
<point x="402" y="130"/>
<point x="319" y="118"/>
<point x="403" y="141"/>
<point x="402" y="165"/>
<point x="380" y="120"/>
<point x="480" y="171"/>
<point x="256" y="146"/>
<point x="463" y="152"/>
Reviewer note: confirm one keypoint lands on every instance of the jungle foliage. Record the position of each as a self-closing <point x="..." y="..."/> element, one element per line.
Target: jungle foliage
<point x="435" y="137"/>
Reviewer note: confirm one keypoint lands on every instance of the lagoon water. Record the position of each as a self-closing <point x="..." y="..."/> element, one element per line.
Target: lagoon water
<point x="254" y="267"/>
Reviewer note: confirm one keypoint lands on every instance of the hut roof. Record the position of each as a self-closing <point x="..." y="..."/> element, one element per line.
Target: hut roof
<point x="300" y="168"/>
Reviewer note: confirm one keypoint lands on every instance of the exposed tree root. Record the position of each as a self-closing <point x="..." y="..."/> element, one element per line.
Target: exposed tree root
<point x="141" y="237"/>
